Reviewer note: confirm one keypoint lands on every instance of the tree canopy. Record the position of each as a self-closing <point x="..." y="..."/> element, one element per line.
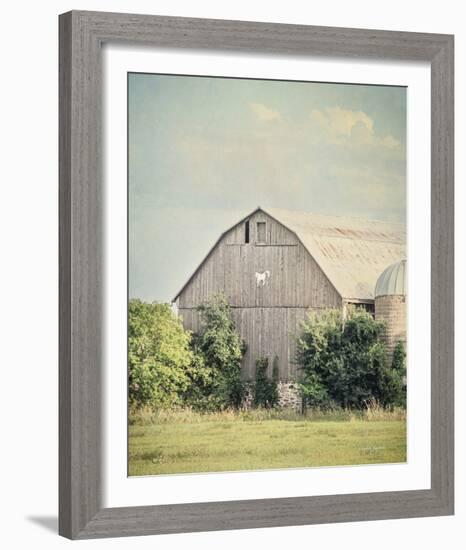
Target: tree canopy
<point x="344" y="362"/>
<point x="159" y="355"/>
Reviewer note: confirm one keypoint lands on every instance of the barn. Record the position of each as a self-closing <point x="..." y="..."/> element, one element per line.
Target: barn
<point x="275" y="264"/>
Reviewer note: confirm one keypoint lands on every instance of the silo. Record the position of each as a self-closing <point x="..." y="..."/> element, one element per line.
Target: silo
<point x="390" y="303"/>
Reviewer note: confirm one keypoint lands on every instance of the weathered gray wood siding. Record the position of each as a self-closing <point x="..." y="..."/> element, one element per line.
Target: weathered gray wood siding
<point x="266" y="315"/>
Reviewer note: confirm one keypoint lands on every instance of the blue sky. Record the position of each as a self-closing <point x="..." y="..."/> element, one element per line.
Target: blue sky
<point x="203" y="152"/>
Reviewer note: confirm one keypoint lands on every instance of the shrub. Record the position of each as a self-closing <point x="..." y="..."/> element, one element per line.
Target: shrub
<point x="399" y="374"/>
<point x="216" y="371"/>
<point x="159" y="355"/>
<point x="275" y="369"/>
<point x="265" y="389"/>
<point x="344" y="362"/>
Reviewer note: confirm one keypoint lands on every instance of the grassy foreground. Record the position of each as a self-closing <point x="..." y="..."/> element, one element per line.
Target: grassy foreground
<point x="186" y="442"/>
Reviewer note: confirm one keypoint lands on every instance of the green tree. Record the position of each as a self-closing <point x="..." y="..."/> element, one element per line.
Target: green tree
<point x="344" y="361"/>
<point x="216" y="371"/>
<point x="159" y="355"/>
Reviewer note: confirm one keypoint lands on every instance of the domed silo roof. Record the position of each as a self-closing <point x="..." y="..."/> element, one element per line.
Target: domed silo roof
<point x="392" y="281"/>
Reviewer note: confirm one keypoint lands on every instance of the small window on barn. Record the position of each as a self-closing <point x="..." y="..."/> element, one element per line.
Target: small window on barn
<point x="260" y="237"/>
<point x="246" y="231"/>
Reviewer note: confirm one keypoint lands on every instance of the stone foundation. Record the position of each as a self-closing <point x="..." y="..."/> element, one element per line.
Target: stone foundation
<point x="288" y="396"/>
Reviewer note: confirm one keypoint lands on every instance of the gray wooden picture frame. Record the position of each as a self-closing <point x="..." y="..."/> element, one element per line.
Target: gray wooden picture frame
<point x="82" y="35"/>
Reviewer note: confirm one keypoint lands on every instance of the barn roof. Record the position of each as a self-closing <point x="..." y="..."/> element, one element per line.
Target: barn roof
<point x="352" y="252"/>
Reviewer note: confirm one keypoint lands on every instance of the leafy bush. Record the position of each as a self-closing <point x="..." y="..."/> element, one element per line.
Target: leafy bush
<point x="159" y="355"/>
<point x="399" y="372"/>
<point x="265" y="389"/>
<point x="344" y="362"/>
<point x="275" y="369"/>
<point x="218" y="350"/>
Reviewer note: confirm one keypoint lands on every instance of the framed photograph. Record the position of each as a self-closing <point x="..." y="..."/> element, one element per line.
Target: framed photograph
<point x="256" y="275"/>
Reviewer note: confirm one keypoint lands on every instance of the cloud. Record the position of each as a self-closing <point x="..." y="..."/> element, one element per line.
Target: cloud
<point x="264" y="113"/>
<point x="332" y="148"/>
<point x="343" y="126"/>
<point x="340" y="122"/>
<point x="389" y="141"/>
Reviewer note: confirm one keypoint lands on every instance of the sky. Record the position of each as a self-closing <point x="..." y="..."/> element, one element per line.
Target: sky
<point x="204" y="152"/>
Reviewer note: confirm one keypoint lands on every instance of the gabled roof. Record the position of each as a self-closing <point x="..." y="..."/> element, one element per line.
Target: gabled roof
<point x="352" y="252"/>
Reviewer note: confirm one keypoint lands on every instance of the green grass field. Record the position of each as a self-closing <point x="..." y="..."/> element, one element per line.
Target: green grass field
<point x="188" y="442"/>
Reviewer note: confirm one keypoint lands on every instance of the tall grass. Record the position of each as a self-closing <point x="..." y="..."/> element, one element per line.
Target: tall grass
<point x="372" y="412"/>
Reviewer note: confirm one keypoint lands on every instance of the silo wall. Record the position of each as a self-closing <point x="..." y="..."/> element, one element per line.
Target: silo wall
<point x="392" y="310"/>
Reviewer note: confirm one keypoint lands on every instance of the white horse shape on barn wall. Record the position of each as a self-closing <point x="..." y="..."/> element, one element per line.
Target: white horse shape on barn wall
<point x="261" y="278"/>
